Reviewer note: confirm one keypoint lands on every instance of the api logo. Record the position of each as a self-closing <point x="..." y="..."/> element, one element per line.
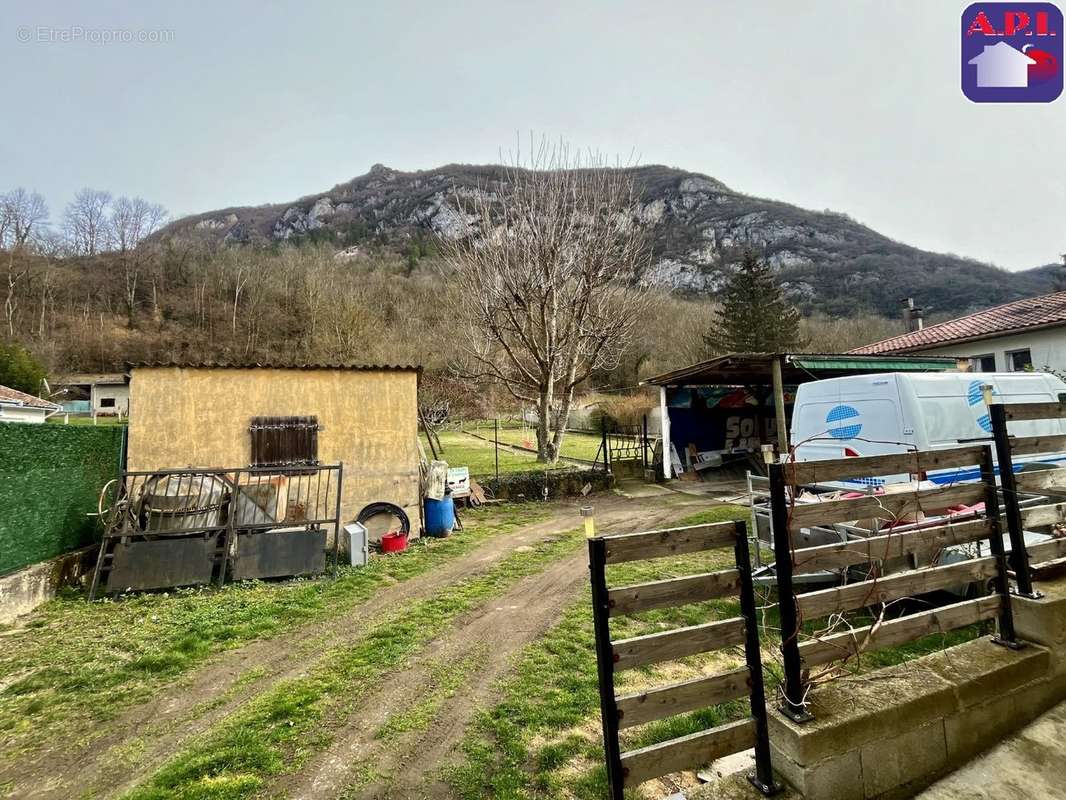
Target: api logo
<point x="842" y="414"/>
<point x="975" y="397"/>
<point x="1012" y="52"/>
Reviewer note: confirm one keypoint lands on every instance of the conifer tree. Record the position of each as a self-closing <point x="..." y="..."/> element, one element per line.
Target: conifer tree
<point x="754" y="316"/>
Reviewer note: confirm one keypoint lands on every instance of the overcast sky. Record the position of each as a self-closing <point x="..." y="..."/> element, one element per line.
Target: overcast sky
<point x="852" y="105"/>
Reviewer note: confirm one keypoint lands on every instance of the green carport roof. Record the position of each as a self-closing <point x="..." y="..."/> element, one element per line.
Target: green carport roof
<point x="754" y="369"/>
<point x="882" y="364"/>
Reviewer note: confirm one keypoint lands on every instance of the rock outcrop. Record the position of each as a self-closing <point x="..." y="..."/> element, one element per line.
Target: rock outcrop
<point x="827" y="261"/>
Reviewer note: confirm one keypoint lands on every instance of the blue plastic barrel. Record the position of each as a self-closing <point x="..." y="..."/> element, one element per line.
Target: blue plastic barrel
<point x="440" y="516"/>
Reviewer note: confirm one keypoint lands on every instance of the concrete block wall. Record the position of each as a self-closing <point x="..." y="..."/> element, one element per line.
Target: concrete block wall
<point x="24" y="590"/>
<point x="891" y="733"/>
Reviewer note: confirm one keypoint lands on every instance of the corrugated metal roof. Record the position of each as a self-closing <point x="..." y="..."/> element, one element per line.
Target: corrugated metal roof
<point x="8" y="396"/>
<point x="1035" y="312"/>
<point x="756" y="368"/>
<point x="882" y="364"/>
<point x="89" y="378"/>
<point x="273" y="365"/>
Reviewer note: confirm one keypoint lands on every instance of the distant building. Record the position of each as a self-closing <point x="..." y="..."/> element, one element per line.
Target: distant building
<point x="102" y="394"/>
<point x="16" y="406"/>
<point x="1016" y="336"/>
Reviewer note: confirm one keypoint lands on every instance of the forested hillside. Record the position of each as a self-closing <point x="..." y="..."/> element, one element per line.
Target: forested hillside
<point x="827" y="261"/>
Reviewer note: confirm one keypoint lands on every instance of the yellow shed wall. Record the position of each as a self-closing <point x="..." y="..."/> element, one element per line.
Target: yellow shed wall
<point x="192" y="416"/>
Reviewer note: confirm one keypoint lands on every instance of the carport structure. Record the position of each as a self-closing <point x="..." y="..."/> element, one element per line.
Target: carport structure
<point x="734" y="403"/>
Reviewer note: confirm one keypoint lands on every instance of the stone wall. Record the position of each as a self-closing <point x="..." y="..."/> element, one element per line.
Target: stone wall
<point x="23" y="591"/>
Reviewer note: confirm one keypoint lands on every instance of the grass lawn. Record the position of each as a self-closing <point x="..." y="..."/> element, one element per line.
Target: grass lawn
<point x="548" y="722"/>
<point x="575" y="445"/>
<point x="59" y="670"/>
<point x="543" y="739"/>
<point x="461" y="450"/>
<point x="283" y="727"/>
<point x="77" y="663"/>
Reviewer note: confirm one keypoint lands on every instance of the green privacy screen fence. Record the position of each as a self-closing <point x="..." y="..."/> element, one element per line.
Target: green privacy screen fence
<point x="50" y="479"/>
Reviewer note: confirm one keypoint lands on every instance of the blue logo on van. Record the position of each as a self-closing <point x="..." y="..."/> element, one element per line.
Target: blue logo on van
<point x="974" y="396"/>
<point x="838" y="414"/>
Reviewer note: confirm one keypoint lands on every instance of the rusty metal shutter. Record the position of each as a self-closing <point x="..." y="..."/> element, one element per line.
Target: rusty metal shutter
<point x="284" y="441"/>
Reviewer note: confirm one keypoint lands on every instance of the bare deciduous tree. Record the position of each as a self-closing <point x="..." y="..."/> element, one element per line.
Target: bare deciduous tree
<point x="316" y="273"/>
<point x="134" y="219"/>
<point x="23" y="219"/>
<point x="131" y="221"/>
<point x="86" y="222"/>
<point x="51" y="247"/>
<point x="547" y="285"/>
<point x="242" y="272"/>
<point x="23" y="216"/>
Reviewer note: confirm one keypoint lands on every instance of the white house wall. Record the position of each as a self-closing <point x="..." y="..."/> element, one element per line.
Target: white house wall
<point x="119" y="392"/>
<point x="22" y="414"/>
<point x="1047" y="348"/>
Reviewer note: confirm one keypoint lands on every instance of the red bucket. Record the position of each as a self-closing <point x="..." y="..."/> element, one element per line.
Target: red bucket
<point x="393" y="542"/>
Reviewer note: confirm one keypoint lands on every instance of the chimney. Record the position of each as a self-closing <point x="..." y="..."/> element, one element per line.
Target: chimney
<point x="912" y="316"/>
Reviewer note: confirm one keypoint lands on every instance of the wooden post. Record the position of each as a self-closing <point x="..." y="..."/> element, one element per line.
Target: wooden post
<point x="763" y="777"/>
<point x="605" y="445"/>
<point x="779" y="408"/>
<point x="995" y="541"/>
<point x="1019" y="556"/>
<point x="605" y="667"/>
<point x="793" y="690"/>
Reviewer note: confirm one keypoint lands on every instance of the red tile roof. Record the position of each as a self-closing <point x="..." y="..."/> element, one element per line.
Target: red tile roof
<point x="1036" y="312"/>
<point x="21" y="398"/>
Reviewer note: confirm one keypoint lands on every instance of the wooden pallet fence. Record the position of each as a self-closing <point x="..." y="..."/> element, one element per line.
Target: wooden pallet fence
<point x="628" y="769"/>
<point x="925" y="542"/>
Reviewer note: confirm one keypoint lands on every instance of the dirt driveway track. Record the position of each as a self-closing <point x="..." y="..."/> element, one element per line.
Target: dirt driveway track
<point x="142" y="738"/>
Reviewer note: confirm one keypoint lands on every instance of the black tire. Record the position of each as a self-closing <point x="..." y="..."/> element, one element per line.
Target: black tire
<point x="376" y="509"/>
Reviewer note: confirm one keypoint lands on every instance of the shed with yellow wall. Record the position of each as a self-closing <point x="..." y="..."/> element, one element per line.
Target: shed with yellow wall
<point x="199" y="415"/>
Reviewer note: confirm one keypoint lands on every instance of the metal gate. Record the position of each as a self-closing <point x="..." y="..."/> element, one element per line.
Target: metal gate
<point x="625" y="444"/>
<point x="184" y="527"/>
<point x="625" y="770"/>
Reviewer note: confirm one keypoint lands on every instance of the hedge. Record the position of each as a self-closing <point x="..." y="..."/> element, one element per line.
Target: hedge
<point x="560" y="483"/>
<point x="50" y="480"/>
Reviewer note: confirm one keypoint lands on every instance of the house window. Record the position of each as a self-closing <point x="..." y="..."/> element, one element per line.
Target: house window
<point x="284" y="441"/>
<point x="107" y="402"/>
<point x="1019" y="360"/>
<point x="985" y="363"/>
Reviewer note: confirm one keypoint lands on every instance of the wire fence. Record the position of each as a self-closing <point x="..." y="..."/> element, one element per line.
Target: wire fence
<point x="603" y="449"/>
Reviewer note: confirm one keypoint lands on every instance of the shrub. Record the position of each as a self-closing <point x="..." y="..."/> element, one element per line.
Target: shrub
<point x="19" y="369"/>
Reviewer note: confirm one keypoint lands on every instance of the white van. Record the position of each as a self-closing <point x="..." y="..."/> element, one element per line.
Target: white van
<point x="893" y="412"/>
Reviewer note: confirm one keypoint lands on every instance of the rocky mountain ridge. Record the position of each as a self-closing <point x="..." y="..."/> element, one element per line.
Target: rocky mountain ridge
<point x="826" y="260"/>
